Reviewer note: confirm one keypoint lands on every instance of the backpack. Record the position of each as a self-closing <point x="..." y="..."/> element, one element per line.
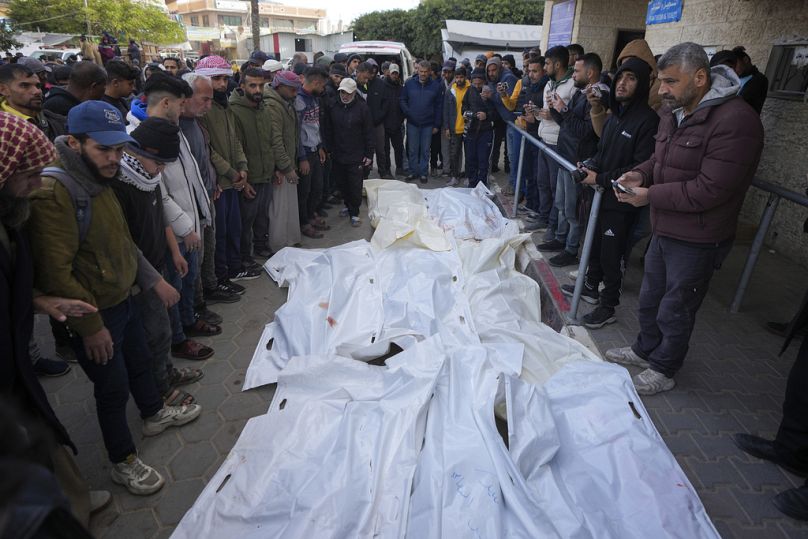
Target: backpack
<point x="82" y="200"/>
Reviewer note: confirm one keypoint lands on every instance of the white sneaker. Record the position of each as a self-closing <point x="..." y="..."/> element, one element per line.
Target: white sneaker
<point x="170" y="416"/>
<point x="453" y="182"/>
<point x="343" y="212"/>
<point x="356" y="221"/>
<point x="625" y="356"/>
<point x="650" y="382"/>
<point x="138" y="478"/>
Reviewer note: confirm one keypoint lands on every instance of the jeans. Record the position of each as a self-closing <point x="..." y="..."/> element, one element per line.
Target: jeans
<point x="568" y="230"/>
<point x="677" y="275"/>
<point x="310" y="190"/>
<point x="513" y="143"/>
<point x="436" y="151"/>
<point x="182" y="312"/>
<point x="547" y="175"/>
<point x="157" y="328"/>
<point x="478" y="154"/>
<point x="418" y="142"/>
<point x="255" y="220"/>
<point x="228" y="234"/>
<point x="349" y="179"/>
<point x="129" y="370"/>
<point x="530" y="186"/>
<point x="208" y="263"/>
<point x="445" y="151"/>
<point x="395" y="139"/>
<point x="499" y="137"/>
<point x="455" y="154"/>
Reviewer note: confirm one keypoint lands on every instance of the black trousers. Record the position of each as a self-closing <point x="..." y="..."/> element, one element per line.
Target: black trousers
<point x="310" y="189"/>
<point x="499" y="137"/>
<point x="793" y="433"/>
<point x="435" y="152"/>
<point x="606" y="262"/>
<point x="348" y="177"/>
<point x="394" y="138"/>
<point x="677" y="275"/>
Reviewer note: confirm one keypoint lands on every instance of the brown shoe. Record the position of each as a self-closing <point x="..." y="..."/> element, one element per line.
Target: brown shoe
<point x="200" y="328"/>
<point x="189" y="349"/>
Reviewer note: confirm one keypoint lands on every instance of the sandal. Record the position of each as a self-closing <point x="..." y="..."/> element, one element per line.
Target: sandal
<point x="178" y="397"/>
<point x="183" y="376"/>
<point x="320" y="224"/>
<point x="201" y="328"/>
<point x="189" y="349"/>
<point x="309" y="232"/>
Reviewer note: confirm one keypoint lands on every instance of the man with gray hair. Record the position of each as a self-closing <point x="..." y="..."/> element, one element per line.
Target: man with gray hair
<point x="708" y="148"/>
<point x="421" y="102"/>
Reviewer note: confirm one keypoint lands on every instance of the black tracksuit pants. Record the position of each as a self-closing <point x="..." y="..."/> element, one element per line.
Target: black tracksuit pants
<point x="606" y="261"/>
<point x="348" y="178"/>
<point x="793" y="433"/>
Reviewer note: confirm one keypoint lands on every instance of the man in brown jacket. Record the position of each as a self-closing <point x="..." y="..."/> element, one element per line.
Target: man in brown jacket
<point x="707" y="150"/>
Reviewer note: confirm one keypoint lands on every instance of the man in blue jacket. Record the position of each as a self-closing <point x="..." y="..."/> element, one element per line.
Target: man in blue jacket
<point x="421" y="102"/>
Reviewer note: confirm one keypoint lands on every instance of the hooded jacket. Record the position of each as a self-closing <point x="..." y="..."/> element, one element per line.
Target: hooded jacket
<point x="376" y="100"/>
<point x="754" y="88"/>
<point x="103" y="268"/>
<point x="60" y="101"/>
<point x="350" y="136"/>
<point x="628" y="136"/>
<point x="703" y="164"/>
<point x="393" y="116"/>
<point x="50" y="123"/>
<point x="475" y="103"/>
<point x="450" y="106"/>
<point x="576" y="137"/>
<point x="226" y="152"/>
<point x="639" y="49"/>
<point x="254" y="129"/>
<point x="504" y="75"/>
<point x="309" y="115"/>
<point x="422" y="103"/>
<point x="284" y="133"/>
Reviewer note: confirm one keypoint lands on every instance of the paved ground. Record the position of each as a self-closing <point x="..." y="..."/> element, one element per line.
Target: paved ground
<point x="733" y="381"/>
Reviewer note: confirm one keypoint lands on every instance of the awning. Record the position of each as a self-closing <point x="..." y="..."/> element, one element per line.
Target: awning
<point x="464" y="34"/>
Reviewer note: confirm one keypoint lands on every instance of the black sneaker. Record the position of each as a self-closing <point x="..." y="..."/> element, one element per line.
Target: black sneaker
<point x="411" y="178"/>
<point x="564" y="258"/>
<point x="209" y="316"/>
<point x="51" y="367"/>
<point x="424" y="179"/>
<point x="246" y="274"/>
<point x="589" y="295"/>
<point x="251" y="265"/>
<point x="550" y="246"/>
<point x="598" y="318"/>
<point x="232" y="287"/>
<point x="263" y="252"/>
<point x="221" y="294"/>
<point x="534" y="225"/>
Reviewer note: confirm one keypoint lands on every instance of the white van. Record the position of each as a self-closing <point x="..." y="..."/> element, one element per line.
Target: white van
<point x="382" y="51"/>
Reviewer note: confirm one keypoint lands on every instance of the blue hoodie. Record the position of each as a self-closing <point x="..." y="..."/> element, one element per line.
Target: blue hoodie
<point x="422" y="104"/>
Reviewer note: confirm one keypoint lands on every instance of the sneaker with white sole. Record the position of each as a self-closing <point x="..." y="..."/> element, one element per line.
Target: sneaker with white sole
<point x="343" y="212"/>
<point x="625" y="356"/>
<point x="140" y="479"/>
<point x="650" y="382"/>
<point x="170" y="416"/>
<point x="452" y="182"/>
<point x="356" y="221"/>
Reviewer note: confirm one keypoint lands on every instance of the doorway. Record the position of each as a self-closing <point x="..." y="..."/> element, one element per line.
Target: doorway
<point x="624" y="37"/>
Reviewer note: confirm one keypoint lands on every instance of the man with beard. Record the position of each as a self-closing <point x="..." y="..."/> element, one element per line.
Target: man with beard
<point x="254" y="129"/>
<point x="393" y="122"/>
<point x="82" y="249"/>
<point x="21" y="94"/>
<point x="454" y="124"/>
<point x="421" y="101"/>
<point x="479" y="129"/>
<point x="707" y="151"/>
<point x="311" y="152"/>
<point x="25" y="152"/>
<point x="349" y="140"/>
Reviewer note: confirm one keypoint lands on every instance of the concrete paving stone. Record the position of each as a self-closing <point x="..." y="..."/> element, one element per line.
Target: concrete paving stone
<point x="759" y="424"/>
<point x="721" y="423"/>
<point x="202" y="428"/>
<point x="86" y="432"/>
<point x="235" y="380"/>
<point x="676" y="422"/>
<point x="133" y="524"/>
<point x="715" y="447"/>
<point x="721" y="401"/>
<point x="266" y="393"/>
<point x="72" y="413"/>
<point x="757" y="403"/>
<point x="192" y="460"/>
<point x="793" y="528"/>
<point x="710" y="475"/>
<point x="242" y="406"/>
<point x="769" y="531"/>
<point x="164" y="533"/>
<point x="178" y="497"/>
<point x="223" y="348"/>
<point x="683" y="445"/>
<point x="216" y="370"/>
<point x="723" y="505"/>
<point x="210" y="397"/>
<point x="160" y="449"/>
<point x="54" y="384"/>
<point x="78" y="390"/>
<point x="227" y="436"/>
<point x="758" y="504"/>
<point x="760" y="474"/>
<point x="685" y="399"/>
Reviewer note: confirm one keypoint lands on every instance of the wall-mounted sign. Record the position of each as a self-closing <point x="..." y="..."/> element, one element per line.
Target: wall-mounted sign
<point x="662" y="11"/>
<point x="232" y="5"/>
<point x="561" y="22"/>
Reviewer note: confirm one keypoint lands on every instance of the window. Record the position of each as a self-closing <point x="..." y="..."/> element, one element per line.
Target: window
<point x="230" y="20"/>
<point x="787" y="71"/>
<point x="205" y="20"/>
<point x="302" y="45"/>
<point x="194" y="20"/>
<point x="264" y="22"/>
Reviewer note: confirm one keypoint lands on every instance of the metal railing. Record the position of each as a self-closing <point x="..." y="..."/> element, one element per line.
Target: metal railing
<point x="776" y="193"/>
<point x="586" y="250"/>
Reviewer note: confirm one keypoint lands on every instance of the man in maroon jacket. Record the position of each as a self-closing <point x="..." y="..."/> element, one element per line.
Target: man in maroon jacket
<point x="707" y="151"/>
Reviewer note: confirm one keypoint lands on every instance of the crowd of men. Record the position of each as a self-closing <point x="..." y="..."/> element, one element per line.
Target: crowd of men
<point x="163" y="188"/>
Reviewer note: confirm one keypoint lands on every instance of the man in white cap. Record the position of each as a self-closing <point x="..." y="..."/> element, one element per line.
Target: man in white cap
<point x="271" y="67"/>
<point x="350" y="142"/>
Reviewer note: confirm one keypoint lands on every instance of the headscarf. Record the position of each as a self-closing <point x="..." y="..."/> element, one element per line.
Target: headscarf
<point x="286" y="78"/>
<point x="23" y="146"/>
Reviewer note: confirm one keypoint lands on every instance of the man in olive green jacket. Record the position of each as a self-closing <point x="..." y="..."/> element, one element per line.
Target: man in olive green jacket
<point x="254" y="127"/>
<point x="82" y="249"/>
<point x="227" y="156"/>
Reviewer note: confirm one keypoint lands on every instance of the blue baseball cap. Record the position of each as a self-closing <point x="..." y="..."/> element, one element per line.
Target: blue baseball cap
<point x="100" y="121"/>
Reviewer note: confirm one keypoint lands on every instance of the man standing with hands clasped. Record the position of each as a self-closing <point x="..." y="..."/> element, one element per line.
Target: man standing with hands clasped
<point x="707" y="150"/>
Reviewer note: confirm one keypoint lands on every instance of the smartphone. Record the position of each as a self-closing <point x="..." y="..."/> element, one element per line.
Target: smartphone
<point x="596" y="91"/>
<point x="622" y="188"/>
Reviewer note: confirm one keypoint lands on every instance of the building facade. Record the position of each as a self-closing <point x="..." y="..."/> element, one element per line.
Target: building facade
<point x="775" y="35"/>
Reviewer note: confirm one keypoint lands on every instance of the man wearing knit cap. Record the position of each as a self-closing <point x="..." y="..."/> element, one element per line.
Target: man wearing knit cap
<point x="479" y="61"/>
<point x="141" y="199"/>
<point x="82" y="248"/>
<point x="230" y="162"/>
<point x="393" y="121"/>
<point x="26" y="151"/>
<point x="502" y="82"/>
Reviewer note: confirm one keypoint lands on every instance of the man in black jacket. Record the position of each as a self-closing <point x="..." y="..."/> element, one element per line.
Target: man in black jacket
<point x="350" y="143"/>
<point x="330" y="99"/>
<point x="577" y="141"/>
<point x="87" y="81"/>
<point x="627" y="140"/>
<point x="478" y="111"/>
<point x="393" y="122"/>
<point x="754" y="84"/>
<point x="374" y="90"/>
<point x="121" y="79"/>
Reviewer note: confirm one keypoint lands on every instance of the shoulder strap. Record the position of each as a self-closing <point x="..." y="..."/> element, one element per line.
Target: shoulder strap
<point x="81" y="198"/>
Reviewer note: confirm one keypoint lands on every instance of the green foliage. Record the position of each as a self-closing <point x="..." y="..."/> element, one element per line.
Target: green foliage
<point x="124" y="18"/>
<point x="7" y="40"/>
<point x="419" y="28"/>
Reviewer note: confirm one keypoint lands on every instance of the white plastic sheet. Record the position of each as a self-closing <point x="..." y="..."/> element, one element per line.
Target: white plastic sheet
<point x="468" y="214"/>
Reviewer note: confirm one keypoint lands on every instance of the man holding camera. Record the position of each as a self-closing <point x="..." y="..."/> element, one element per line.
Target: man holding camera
<point x="627" y="140"/>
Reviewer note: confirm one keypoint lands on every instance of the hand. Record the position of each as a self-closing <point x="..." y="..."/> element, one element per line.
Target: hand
<point x="167" y="293"/>
<point x="367" y="161"/>
<point x="529" y="118"/>
<point x="631" y="179"/>
<point x="99" y="347"/>
<point x="434" y="130"/>
<point x="482" y="116"/>
<point x="638" y="199"/>
<point x="249" y="191"/>
<point x="305" y="167"/>
<point x="292" y="177"/>
<point x="323" y="156"/>
<point x="558" y="103"/>
<point x="60" y="308"/>
<point x="279" y="177"/>
<point x="448" y="133"/>
<point x="217" y="193"/>
<point x="501" y="90"/>
<point x="238" y="183"/>
<point x="192" y="241"/>
<point x="242" y="175"/>
<point x="591" y="177"/>
<point x="180" y="264"/>
<point x="544" y="114"/>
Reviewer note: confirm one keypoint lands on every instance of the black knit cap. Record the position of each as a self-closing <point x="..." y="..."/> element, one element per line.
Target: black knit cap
<point x="478" y="73"/>
<point x="159" y="140"/>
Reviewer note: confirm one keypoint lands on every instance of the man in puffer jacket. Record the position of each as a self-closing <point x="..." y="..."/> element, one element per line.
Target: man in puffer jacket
<point x="707" y="151"/>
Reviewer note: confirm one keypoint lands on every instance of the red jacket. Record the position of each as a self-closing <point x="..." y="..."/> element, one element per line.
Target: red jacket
<point x="700" y="170"/>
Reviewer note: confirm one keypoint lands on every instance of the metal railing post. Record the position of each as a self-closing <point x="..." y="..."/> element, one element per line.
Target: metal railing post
<point x="754" y="252"/>
<point x="586" y="251"/>
<point x="518" y="175"/>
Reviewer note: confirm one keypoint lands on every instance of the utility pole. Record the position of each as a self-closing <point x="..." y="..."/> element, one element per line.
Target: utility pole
<point x="87" y="17"/>
<point x="255" y="21"/>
